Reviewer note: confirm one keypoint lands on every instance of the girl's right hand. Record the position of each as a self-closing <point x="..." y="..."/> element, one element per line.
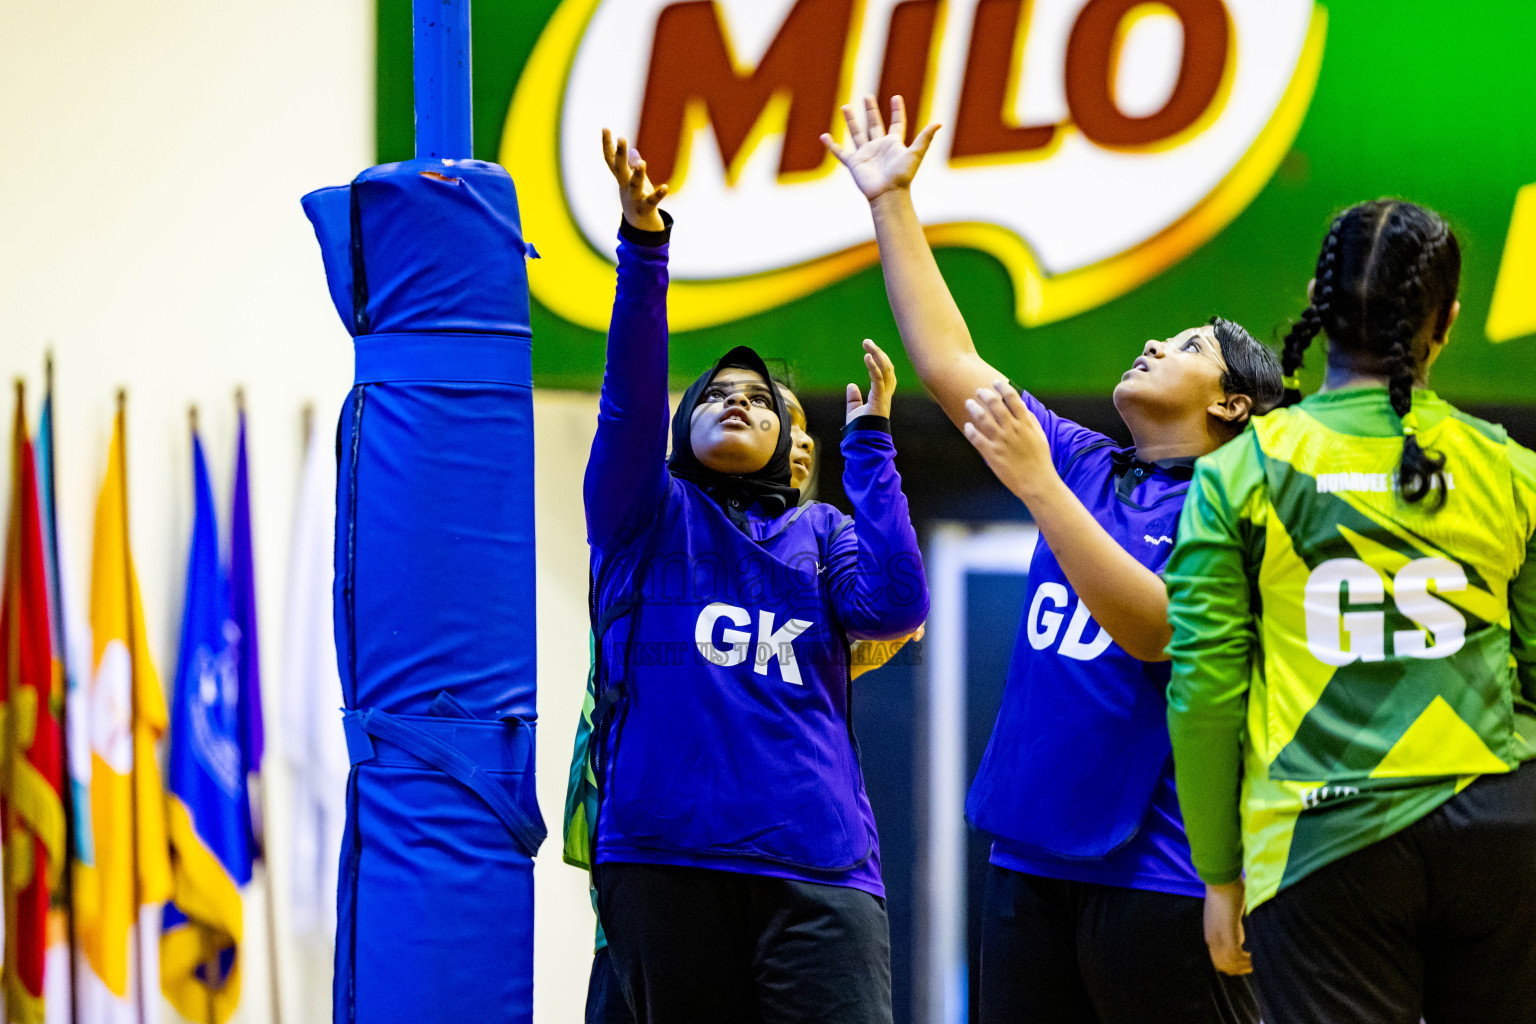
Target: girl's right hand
<point x="639" y="198"/>
<point x="882" y="385"/>
<point x="879" y="160"/>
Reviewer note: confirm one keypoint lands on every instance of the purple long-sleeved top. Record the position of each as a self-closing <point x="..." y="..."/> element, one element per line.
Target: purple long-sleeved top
<point x="731" y="746"/>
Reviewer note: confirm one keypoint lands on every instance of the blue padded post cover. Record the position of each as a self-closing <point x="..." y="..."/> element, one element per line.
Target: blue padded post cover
<point x="435" y="594"/>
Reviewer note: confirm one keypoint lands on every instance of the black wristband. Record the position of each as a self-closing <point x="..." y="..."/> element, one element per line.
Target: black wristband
<point x="649" y="239"/>
<point x="869" y="421"/>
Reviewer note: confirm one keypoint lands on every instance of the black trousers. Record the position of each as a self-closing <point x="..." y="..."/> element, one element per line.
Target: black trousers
<point x="605" y="999"/>
<point x="1438" y="920"/>
<point x="1060" y="952"/>
<point x="696" y="946"/>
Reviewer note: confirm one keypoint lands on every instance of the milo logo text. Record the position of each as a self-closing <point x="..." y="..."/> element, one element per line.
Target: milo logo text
<point x="1088" y="144"/>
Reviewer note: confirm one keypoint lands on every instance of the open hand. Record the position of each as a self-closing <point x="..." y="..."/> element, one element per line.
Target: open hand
<point x="882" y="384"/>
<point x="1010" y="438"/>
<point x="880" y="160"/>
<point x="640" y="199"/>
<point x="1224" y="928"/>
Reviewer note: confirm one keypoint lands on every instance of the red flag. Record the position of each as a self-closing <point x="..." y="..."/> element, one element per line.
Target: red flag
<point x="31" y="767"/>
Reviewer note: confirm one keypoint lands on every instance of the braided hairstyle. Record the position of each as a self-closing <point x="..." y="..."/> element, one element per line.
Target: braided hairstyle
<point x="1387" y="269"/>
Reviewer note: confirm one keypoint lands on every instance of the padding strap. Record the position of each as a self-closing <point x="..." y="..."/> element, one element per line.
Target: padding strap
<point x="467" y="750"/>
<point x="466" y="358"/>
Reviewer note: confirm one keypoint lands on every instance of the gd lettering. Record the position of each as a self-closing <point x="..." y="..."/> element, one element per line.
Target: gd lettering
<point x="1089" y="144"/>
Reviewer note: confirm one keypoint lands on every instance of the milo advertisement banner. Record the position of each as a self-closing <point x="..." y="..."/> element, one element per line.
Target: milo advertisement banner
<point x="1108" y="170"/>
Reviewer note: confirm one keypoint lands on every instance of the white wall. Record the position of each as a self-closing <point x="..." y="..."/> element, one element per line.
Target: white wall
<point x="152" y="155"/>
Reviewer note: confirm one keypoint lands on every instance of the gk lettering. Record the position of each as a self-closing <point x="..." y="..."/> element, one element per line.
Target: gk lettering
<point x="772" y="644"/>
<point x="1341" y="583"/>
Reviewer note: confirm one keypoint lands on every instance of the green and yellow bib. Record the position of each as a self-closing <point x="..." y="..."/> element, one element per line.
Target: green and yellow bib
<point x="1381" y="675"/>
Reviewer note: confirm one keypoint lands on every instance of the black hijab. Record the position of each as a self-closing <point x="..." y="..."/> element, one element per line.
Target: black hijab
<point x="768" y="487"/>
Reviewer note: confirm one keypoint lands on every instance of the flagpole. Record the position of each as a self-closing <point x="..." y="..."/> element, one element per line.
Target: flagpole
<point x="210" y="971"/>
<point x="12" y="641"/>
<point x="140" y="998"/>
<point x="269" y="888"/>
<point x="70" y="825"/>
<point x="276" y="994"/>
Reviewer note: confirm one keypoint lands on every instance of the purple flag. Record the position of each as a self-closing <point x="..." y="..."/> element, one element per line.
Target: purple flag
<point x="242" y="577"/>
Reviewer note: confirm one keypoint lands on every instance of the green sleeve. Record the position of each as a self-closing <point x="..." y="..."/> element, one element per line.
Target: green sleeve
<point x="1209" y="607"/>
<point x="1522" y="590"/>
<point x="581" y="787"/>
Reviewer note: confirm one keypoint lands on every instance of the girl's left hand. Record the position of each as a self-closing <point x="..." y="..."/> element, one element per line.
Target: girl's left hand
<point x="1224" y="935"/>
<point x="1009" y="437"/>
<point x="882" y="384"/>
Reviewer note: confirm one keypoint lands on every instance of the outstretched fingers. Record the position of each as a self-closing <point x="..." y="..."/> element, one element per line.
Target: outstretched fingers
<point x="924" y="140"/>
<point x="899" y="118"/>
<point x="637" y="178"/>
<point x="616" y="153"/>
<point x="881" y="370"/>
<point x="854" y="398"/>
<point x="842" y="153"/>
<point x="872" y="115"/>
<point x="856" y="133"/>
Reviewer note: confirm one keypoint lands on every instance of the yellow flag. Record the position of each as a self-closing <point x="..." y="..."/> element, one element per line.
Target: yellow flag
<point x="127" y="715"/>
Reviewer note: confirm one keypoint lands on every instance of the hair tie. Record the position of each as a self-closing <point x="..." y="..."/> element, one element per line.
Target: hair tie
<point x="1292" y="383"/>
<point x="1410" y="423"/>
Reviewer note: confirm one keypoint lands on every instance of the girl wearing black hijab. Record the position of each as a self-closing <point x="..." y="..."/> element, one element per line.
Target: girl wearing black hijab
<point x="737" y="863"/>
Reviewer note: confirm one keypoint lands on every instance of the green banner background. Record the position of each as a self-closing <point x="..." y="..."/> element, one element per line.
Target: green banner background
<point x="1430" y="101"/>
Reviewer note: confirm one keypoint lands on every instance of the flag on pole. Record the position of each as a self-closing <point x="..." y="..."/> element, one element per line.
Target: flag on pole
<point x="31" y="765"/>
<point x="242" y="580"/>
<point x="314" y="743"/>
<point x="252" y="728"/>
<point x="71" y="650"/>
<point x="127" y="715"/>
<point x="210" y="822"/>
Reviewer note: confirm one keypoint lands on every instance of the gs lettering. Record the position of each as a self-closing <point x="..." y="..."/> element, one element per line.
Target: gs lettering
<point x="1341" y="583"/>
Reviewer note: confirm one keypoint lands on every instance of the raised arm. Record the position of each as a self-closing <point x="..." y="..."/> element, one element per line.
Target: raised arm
<point x="932" y="329"/>
<point x="1124" y="597"/>
<point x="874" y="569"/>
<point x="627" y="473"/>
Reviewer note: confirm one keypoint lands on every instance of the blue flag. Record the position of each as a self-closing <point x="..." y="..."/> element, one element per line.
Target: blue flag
<point x="207" y="803"/>
<point x="242" y="579"/>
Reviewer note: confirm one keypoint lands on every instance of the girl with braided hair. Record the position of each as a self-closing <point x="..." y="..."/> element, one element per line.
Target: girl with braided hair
<point x="1092" y="912"/>
<point x="1353" y="701"/>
